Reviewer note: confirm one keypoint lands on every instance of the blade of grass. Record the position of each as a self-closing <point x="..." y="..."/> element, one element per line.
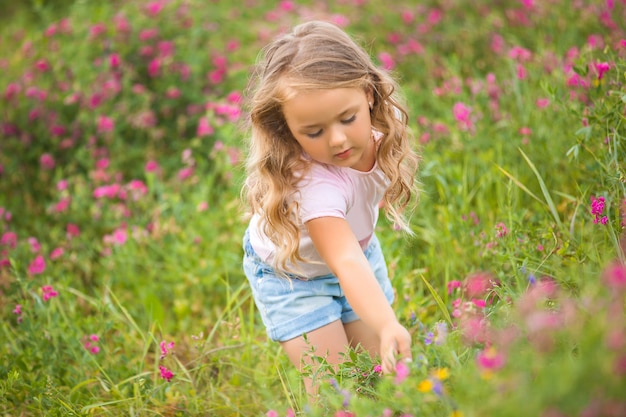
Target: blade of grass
<point x="520" y="185"/>
<point x="438" y="300"/>
<point x="544" y="189"/>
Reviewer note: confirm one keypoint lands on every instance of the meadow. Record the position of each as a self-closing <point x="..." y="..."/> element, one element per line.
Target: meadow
<point x="122" y="143"/>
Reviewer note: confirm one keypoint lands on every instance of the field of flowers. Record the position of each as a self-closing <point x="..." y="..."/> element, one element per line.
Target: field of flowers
<point x="122" y="137"/>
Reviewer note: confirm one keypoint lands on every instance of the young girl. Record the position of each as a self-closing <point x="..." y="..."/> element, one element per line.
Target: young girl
<point x="329" y="146"/>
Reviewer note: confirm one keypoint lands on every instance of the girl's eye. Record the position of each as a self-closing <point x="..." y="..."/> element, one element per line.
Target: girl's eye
<point x="350" y="120"/>
<point x="315" y="134"/>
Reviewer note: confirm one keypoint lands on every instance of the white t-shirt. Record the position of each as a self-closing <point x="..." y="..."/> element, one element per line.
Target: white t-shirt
<point x="329" y="191"/>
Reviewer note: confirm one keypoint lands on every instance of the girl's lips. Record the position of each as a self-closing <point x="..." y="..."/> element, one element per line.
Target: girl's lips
<point x="345" y="154"/>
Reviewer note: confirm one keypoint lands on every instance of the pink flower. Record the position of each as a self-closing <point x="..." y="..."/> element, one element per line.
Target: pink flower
<point x="105" y="124"/>
<point x="185" y="173"/>
<point x="9" y="239"/>
<point x="114" y="60"/>
<point x="37" y="266"/>
<point x="378" y="369"/>
<point x="204" y="128"/>
<point x="501" y="230"/>
<point x="166" y="374"/>
<point x="35" y="246"/>
<point x="386" y="61"/>
<point x="165" y="348"/>
<point x="478" y="284"/>
<point x="62" y="205"/>
<point x="72" y="231"/>
<point x="154" y="8"/>
<point x="490" y="359"/>
<point x="597" y="207"/>
<point x="147" y="34"/>
<point x="42" y="65"/>
<point x="48" y="292"/>
<point x="96" y="30"/>
<point x="525" y="131"/>
<point x="46" y="161"/>
<point x="340" y="20"/>
<point x="56" y="253"/>
<point x="452" y="285"/>
<point x="152" y="166"/>
<point x="602" y="68"/>
<point x="271" y="413"/>
<point x="520" y="54"/>
<point x="402" y="372"/>
<point x="90" y="343"/>
<point x="120" y="236"/>
<point x="614" y="276"/>
<point x="462" y="115"/>
<point x="17" y="310"/>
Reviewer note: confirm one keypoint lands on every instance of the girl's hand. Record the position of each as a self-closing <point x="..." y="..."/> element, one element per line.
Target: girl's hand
<point x="395" y="343"/>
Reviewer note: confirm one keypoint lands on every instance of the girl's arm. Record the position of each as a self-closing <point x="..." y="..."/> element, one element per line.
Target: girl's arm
<point x="337" y="245"/>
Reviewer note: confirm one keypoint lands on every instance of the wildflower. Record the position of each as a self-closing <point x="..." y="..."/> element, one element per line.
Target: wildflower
<point x="48" y="292"/>
<point x="429" y="338"/>
<point x="441" y="333"/>
<point x="378" y="369"/>
<point x="271" y="413"/>
<point x="90" y="343"/>
<point x="386" y="60"/>
<point x="614" y="276"/>
<point x="425" y="385"/>
<point x="152" y="166"/>
<point x="46" y="161"/>
<point x="402" y="372"/>
<point x="105" y="124"/>
<point x="72" y="231"/>
<point x="120" y="236"/>
<point x="478" y="284"/>
<point x="597" y="207"/>
<point x="542" y="103"/>
<point x="18" y="312"/>
<point x="462" y="115"/>
<point x="37" y="266"/>
<point x="441" y="373"/>
<point x="35" y="246"/>
<point x="490" y="359"/>
<point x="165" y="348"/>
<point x="501" y="230"/>
<point x="452" y="285"/>
<point x="114" y="60"/>
<point x="602" y="68"/>
<point x="166" y="374"/>
<point x="185" y="173"/>
<point x="9" y="239"/>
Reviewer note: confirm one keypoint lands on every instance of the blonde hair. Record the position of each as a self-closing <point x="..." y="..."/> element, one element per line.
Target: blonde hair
<point x="317" y="55"/>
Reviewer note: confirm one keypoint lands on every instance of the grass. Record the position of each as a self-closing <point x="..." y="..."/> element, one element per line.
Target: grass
<point x="107" y="178"/>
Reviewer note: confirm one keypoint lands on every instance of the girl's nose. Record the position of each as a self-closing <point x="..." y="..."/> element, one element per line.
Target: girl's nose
<point x="337" y="138"/>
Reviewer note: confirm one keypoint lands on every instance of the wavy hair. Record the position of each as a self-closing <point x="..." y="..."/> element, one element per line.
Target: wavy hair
<point x="317" y="55"/>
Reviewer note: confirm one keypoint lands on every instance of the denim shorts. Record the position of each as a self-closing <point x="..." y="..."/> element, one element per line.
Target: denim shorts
<point x="291" y="307"/>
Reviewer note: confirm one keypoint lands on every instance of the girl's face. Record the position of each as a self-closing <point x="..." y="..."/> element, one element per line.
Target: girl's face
<point x="333" y="126"/>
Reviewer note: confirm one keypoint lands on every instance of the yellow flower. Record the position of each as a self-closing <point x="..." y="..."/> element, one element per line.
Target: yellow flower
<point x="425" y="386"/>
<point x="441" y="374"/>
<point x="456" y="413"/>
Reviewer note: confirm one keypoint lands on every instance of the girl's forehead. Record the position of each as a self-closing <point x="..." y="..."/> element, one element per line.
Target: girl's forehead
<point x="313" y="107"/>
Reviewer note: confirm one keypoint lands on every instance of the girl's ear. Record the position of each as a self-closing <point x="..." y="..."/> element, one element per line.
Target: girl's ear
<point x="370" y="97"/>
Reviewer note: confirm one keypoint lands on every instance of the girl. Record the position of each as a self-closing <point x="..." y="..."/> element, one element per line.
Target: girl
<point x="329" y="146"/>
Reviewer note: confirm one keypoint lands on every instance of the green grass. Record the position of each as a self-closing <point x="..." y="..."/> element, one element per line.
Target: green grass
<point x="164" y="264"/>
